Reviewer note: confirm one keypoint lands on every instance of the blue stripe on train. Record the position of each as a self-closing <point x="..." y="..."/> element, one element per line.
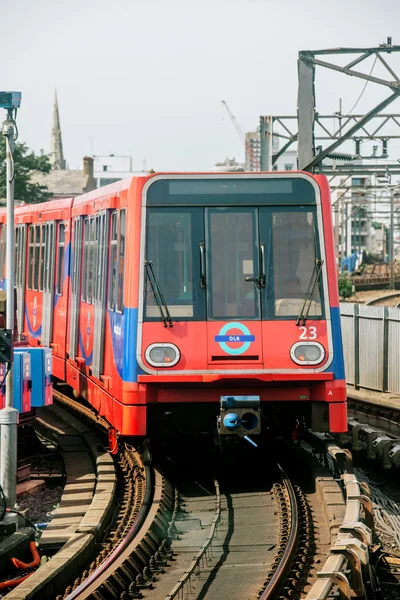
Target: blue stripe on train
<point x="123" y="334"/>
<point x="337" y="365"/>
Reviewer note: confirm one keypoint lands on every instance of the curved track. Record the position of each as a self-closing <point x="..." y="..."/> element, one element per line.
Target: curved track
<point x="290" y="526"/>
<point x="135" y="539"/>
<point x="250" y="533"/>
<point x="138" y="533"/>
<point x="391" y="299"/>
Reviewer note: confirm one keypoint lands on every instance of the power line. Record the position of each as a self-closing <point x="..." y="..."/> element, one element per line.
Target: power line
<point x="363" y="90"/>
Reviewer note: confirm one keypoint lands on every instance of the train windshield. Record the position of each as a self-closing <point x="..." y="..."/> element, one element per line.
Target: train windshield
<point x="233" y="262"/>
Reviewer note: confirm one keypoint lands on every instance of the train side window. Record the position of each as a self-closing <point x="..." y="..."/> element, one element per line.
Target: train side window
<point x="31" y="256"/>
<point x="96" y="259"/>
<point x="86" y="238"/>
<point x="36" y="258"/>
<point x="60" y="259"/>
<point x="294" y="249"/>
<point x="48" y="245"/>
<point x="77" y="256"/>
<point x="91" y="261"/>
<point x="43" y="257"/>
<point x="17" y="253"/>
<point x="113" y="262"/>
<point x="121" y="261"/>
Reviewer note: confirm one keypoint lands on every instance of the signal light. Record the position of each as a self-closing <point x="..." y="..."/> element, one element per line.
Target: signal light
<point x="6" y="346"/>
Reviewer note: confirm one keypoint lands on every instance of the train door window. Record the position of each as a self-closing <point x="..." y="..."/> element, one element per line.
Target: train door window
<point x="121" y="261"/>
<point x="113" y="262"/>
<point x="60" y="259"/>
<point x="43" y="256"/>
<point x="36" y="259"/>
<point x="31" y="256"/>
<point x="174" y="242"/>
<point x="233" y="255"/>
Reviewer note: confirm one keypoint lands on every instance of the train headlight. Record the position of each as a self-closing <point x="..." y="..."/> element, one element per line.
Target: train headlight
<point x="307" y="353"/>
<point x="162" y="355"/>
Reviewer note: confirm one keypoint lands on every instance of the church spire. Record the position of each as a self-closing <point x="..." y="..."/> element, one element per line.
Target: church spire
<point x="57" y="157"/>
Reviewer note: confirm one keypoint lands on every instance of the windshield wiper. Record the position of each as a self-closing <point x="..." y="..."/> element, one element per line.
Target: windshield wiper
<point x="158" y="295"/>
<point x="303" y="316"/>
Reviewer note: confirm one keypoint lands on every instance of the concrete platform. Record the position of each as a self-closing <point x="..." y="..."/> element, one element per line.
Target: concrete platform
<point x="86" y="501"/>
<point x="85" y="507"/>
<point x="384" y="399"/>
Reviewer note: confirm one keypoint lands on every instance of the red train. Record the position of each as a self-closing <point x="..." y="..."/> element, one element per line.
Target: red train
<point x="170" y="300"/>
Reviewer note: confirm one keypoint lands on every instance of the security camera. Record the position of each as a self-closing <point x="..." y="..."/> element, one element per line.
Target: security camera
<point x="10" y="100"/>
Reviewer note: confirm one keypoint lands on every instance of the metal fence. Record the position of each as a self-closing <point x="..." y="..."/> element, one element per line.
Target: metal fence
<point x="371" y="343"/>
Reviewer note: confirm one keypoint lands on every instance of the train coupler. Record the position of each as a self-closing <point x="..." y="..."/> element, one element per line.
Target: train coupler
<point x="241" y="416"/>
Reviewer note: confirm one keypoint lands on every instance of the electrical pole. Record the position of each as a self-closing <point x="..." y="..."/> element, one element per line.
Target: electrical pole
<point x="266" y="143"/>
<point x="9" y="415"/>
<point x="392" y="239"/>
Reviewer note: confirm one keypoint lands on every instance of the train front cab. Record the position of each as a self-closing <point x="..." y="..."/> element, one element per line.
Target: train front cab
<point x="238" y="297"/>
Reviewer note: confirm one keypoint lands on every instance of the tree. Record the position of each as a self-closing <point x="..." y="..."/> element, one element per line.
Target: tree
<point x="345" y="286"/>
<point x="26" y="162"/>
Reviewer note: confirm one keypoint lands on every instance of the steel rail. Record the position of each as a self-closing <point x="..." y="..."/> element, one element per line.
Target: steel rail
<point x="196" y="561"/>
<point x="381" y="298"/>
<point x="147" y="512"/>
<point x="284" y="565"/>
<point x="137" y="532"/>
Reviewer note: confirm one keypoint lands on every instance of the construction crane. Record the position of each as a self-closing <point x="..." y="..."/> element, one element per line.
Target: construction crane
<point x="242" y="136"/>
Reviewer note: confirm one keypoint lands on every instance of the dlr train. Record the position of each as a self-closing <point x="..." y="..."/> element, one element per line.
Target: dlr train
<point x="183" y="303"/>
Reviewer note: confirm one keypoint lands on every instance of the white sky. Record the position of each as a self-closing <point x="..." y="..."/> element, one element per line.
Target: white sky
<point x="146" y="79"/>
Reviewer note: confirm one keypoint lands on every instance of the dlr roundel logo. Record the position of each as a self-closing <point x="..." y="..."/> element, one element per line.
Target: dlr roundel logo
<point x="228" y="334"/>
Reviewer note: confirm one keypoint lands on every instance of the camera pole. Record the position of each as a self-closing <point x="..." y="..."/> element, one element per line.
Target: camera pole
<point x="9" y="415"/>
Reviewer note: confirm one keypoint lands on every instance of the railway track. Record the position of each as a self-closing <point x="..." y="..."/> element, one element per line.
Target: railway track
<point x="246" y="534"/>
<point x="392" y="299"/>
<point x="122" y="559"/>
<point x="251" y="538"/>
<point x="137" y="539"/>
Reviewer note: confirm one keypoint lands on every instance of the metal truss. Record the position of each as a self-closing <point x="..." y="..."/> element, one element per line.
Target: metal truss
<point x="336" y="128"/>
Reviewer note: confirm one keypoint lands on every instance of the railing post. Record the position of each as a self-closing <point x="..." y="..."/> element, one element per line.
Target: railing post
<point x="385" y="357"/>
<point x="356" y="347"/>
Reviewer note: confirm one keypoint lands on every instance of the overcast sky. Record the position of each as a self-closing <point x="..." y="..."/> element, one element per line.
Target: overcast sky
<point x="146" y="78"/>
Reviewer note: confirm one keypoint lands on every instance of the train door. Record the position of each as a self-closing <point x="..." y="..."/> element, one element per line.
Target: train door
<point x="99" y="299"/>
<point x="48" y="241"/>
<point x="20" y="273"/>
<point x="76" y="288"/>
<point x="234" y="284"/>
